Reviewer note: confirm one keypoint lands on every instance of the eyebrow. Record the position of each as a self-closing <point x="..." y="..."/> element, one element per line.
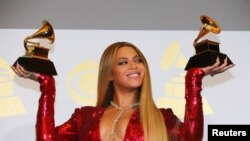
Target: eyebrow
<point x="127" y="58"/>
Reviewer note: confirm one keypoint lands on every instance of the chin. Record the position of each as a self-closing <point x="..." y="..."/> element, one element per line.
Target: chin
<point x="135" y="86"/>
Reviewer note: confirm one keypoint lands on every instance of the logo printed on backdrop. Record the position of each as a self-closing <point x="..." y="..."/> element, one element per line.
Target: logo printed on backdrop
<point x="82" y="82"/>
<point x="10" y="105"/>
<point x="174" y="89"/>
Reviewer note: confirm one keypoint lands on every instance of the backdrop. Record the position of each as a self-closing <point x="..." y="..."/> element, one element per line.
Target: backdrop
<point x="76" y="55"/>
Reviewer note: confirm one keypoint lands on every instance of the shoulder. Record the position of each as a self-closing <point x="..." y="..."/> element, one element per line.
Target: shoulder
<point x="166" y="112"/>
<point x="87" y="111"/>
<point x="170" y="118"/>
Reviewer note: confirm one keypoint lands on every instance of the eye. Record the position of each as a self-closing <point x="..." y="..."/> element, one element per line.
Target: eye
<point x="138" y="60"/>
<point x="122" y="62"/>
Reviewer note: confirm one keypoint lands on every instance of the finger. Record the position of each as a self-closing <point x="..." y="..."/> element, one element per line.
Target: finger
<point x="222" y="67"/>
<point x="25" y="73"/>
<point x="28" y="74"/>
<point x="210" y="69"/>
<point x="13" y="68"/>
<point x="19" y="66"/>
<point x="225" y="62"/>
<point x="227" y="67"/>
<point x="217" y="63"/>
<point x="16" y="71"/>
<point x="20" y="70"/>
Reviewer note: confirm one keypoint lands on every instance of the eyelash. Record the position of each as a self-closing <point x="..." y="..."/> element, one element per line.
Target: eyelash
<point x="139" y="60"/>
<point x="126" y="62"/>
<point x="122" y="62"/>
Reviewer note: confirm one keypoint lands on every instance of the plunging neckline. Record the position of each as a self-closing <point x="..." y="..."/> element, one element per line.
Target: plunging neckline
<point x="126" y="130"/>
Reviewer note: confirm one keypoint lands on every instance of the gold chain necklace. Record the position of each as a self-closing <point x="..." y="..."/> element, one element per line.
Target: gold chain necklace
<point x="122" y="110"/>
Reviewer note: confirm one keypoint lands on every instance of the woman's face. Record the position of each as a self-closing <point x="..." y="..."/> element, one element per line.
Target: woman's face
<point x="128" y="69"/>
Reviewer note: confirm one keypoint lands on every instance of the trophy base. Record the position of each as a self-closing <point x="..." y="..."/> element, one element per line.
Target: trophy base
<point x="206" y="58"/>
<point x="37" y="65"/>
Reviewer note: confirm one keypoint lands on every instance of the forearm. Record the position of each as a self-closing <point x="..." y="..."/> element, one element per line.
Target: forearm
<point x="193" y="120"/>
<point x="45" y="125"/>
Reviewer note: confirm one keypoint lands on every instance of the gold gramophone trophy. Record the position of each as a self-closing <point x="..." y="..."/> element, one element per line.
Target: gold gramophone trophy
<point x="36" y="56"/>
<point x="206" y="51"/>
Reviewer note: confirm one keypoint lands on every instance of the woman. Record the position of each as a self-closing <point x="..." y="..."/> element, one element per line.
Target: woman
<point x="125" y="109"/>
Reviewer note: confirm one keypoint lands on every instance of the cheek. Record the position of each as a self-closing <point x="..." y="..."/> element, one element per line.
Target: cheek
<point x="143" y="75"/>
<point x="143" y="71"/>
<point x="116" y="74"/>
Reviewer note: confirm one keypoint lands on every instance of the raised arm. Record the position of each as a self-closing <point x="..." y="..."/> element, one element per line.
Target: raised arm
<point x="45" y="124"/>
<point x="192" y="129"/>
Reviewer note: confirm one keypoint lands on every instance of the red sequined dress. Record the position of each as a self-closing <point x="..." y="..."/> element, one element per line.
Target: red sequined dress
<point x="84" y="122"/>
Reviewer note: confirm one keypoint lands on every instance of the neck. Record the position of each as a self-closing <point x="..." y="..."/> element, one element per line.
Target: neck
<point x="124" y="100"/>
<point x="124" y="108"/>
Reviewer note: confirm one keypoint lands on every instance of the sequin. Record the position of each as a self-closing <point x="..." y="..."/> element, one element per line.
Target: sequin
<point x="83" y="125"/>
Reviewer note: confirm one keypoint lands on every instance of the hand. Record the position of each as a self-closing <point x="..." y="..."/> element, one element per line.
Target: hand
<point x="21" y="72"/>
<point x="216" y="67"/>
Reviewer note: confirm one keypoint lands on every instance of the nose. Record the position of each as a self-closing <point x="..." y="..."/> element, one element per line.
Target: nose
<point x="132" y="65"/>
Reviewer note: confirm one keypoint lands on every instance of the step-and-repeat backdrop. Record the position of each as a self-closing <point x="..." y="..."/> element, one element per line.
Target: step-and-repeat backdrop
<point x="76" y="54"/>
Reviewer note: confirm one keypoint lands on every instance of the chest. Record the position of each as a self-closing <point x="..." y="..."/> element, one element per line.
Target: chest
<point x="94" y="128"/>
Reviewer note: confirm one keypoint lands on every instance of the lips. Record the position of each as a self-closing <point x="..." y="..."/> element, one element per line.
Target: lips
<point x="133" y="74"/>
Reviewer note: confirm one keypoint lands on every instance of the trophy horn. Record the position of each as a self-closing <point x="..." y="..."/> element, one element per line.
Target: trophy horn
<point x="206" y="51"/>
<point x="46" y="32"/>
<point x="208" y="25"/>
<point x="36" y="58"/>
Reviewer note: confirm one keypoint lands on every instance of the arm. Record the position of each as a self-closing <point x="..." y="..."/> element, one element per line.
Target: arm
<point x="192" y="129"/>
<point x="45" y="124"/>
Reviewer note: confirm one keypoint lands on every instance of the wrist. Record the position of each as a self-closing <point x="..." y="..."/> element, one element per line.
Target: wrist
<point x="196" y="72"/>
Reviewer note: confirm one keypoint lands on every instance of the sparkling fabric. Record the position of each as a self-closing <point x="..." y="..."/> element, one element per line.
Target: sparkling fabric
<point x="83" y="125"/>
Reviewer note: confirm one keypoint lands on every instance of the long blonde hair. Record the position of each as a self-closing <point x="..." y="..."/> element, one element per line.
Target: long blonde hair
<point x="150" y="116"/>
